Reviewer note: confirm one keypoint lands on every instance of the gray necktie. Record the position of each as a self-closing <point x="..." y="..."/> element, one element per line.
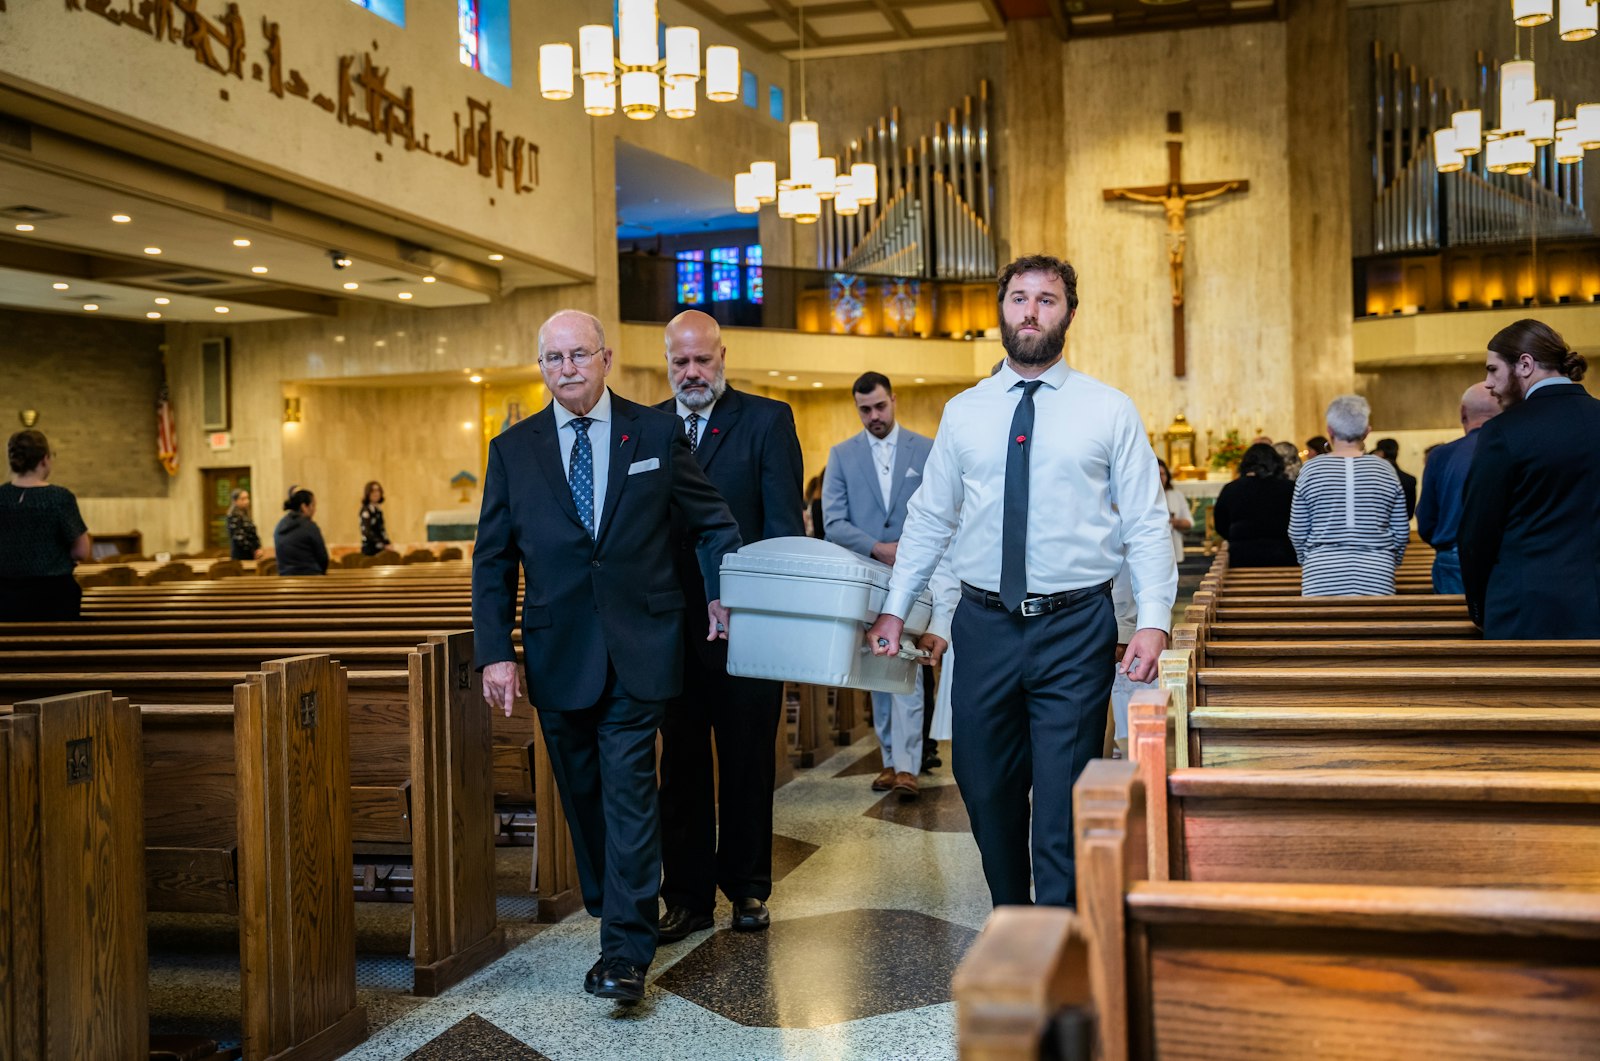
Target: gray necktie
<point x="691" y="425"/>
<point x="1014" y="528"/>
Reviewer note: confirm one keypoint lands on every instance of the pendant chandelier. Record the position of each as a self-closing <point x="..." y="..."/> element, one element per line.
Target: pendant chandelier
<point x="631" y="58"/>
<point x="813" y="178"/>
<point x="1580" y="19"/>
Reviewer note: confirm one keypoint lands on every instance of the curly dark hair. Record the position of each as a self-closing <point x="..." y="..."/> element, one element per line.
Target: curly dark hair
<point x="25" y="450"/>
<point x="1041" y="263"/>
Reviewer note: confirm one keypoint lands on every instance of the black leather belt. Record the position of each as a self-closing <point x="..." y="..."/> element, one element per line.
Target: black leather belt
<point x="1039" y="604"/>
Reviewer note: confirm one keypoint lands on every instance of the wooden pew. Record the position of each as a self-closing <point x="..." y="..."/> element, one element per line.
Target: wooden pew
<point x="73" y="969"/>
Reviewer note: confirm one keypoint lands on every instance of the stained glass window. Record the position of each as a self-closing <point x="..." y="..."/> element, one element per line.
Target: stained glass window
<point x="752" y="273"/>
<point x="751" y="90"/>
<point x="392" y="10"/>
<point x="467" y="31"/>
<point x="724" y="274"/>
<point x="691" y="278"/>
<point x="775" y="102"/>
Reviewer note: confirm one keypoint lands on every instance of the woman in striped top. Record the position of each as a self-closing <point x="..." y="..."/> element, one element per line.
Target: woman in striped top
<point x="1348" y="521"/>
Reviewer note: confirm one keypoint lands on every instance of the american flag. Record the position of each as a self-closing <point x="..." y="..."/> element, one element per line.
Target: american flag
<point x="166" y="428"/>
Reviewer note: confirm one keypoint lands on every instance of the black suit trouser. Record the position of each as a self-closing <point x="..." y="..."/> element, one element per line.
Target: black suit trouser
<point x="604" y="759"/>
<point x="1028" y="713"/>
<point x="741" y="715"/>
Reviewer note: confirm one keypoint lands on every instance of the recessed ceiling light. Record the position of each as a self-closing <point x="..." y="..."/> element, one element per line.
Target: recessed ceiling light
<point x="121" y="219"/>
<point x="816" y="383"/>
<point x="773" y="372"/>
<point x="497" y="257"/>
<point x="430" y="279"/>
<point x="153" y="315"/>
<point x="791" y="379"/>
<point x="24" y="228"/>
<point x="467" y="425"/>
<point x="163" y="301"/>
<point x="476" y="379"/>
<point x="90" y="306"/>
<point x="241" y="243"/>
<point x="338" y="338"/>
<point x="61" y="287"/>
<point x="152" y="250"/>
<point x="404" y="295"/>
<point x="258" y="268"/>
<point x="342" y="263"/>
<point x="220" y="309"/>
<point x="920" y="379"/>
<point x="351" y="285"/>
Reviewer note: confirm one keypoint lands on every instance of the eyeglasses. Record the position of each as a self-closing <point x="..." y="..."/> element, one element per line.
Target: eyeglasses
<point x="579" y="359"/>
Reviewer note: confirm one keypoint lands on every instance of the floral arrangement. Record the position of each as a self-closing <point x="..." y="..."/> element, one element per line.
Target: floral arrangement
<point x="1229" y="451"/>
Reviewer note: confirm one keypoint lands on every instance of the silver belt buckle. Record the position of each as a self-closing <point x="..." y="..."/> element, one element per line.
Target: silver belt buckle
<point x="1032" y="607"/>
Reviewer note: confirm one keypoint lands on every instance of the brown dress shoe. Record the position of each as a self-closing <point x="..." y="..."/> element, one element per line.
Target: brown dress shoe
<point x="884" y="781"/>
<point x="905" y="786"/>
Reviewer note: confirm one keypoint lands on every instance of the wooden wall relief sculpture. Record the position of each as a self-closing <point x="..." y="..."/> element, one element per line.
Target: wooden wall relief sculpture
<point x="362" y="97"/>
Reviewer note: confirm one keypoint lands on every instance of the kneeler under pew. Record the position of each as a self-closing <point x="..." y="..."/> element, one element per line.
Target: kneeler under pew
<point x="1277" y="972"/>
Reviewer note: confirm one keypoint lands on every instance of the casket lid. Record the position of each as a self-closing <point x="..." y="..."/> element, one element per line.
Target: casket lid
<point x="799" y="557"/>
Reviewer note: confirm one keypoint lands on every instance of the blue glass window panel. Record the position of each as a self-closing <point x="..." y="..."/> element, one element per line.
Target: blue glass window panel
<point x="691" y="278"/>
<point x="494" y="40"/>
<point x="753" y="287"/>
<point x="775" y="102"/>
<point x="389" y="10"/>
<point x="751" y="90"/>
<point x="467" y="33"/>
<point x="725" y="274"/>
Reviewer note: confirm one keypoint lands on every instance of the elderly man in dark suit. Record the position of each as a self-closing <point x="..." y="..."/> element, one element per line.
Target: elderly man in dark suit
<point x="751" y="453"/>
<point x="582" y="496"/>
<point x="1529" y="536"/>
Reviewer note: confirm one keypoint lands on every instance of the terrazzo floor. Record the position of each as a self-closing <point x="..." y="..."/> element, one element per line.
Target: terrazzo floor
<point x="873" y="905"/>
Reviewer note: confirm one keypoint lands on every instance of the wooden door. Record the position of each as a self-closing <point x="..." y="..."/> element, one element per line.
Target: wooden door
<point x="217" y="486"/>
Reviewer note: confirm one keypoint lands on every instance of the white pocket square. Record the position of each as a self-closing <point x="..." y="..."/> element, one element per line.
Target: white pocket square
<point x="644" y="466"/>
<point x="912" y="473"/>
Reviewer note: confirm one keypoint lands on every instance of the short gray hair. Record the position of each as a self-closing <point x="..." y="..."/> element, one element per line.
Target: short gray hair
<point x="594" y="322"/>
<point x="1348" y="418"/>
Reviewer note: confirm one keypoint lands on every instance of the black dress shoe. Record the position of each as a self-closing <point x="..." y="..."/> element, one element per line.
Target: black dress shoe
<point x="750" y="915"/>
<point x="622" y="981"/>
<point x="679" y="922"/>
<point x="591" y="979"/>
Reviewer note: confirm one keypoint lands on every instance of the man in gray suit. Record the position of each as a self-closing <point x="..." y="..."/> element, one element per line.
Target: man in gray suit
<point x="869" y="479"/>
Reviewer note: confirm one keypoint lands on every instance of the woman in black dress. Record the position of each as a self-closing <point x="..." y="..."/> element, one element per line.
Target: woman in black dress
<point x="1252" y="512"/>
<point x="42" y="537"/>
<point x="374" y="539"/>
<point x="243" y="541"/>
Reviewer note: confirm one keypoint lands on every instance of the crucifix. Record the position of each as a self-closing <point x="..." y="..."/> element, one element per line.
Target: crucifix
<point x="1175" y="197"/>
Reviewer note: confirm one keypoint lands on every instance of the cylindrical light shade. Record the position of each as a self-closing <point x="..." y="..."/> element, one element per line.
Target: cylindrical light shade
<point x="1516" y="92"/>
<point x="555" y="71"/>
<point x="641" y="94"/>
<point x="722" y="73"/>
<point x="764" y="180"/>
<point x="1518" y="155"/>
<point x="683" y="55"/>
<point x="807" y="207"/>
<point x="600" y="98"/>
<point x="844" y="198"/>
<point x="595" y="58"/>
<point x="679" y="99"/>
<point x="636" y="25"/>
<point x="1540" y="127"/>
<point x="786" y="203"/>
<point x="825" y="177"/>
<point x="744" y="194"/>
<point x="1568" y="150"/>
<point x="1494" y="151"/>
<point x="864" y="179"/>
<point x="1588" y="115"/>
<point x="1527" y="13"/>
<point x="1580" y="19"/>
<point x="1445" y="155"/>
<point x="803" y="150"/>
<point x="1468" y="127"/>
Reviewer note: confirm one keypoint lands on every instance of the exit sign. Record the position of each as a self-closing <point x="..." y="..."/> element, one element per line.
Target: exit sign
<point x="220" y="440"/>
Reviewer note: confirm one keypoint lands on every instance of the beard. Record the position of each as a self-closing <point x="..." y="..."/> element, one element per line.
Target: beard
<point x="1034" y="350"/>
<point x="697" y="394"/>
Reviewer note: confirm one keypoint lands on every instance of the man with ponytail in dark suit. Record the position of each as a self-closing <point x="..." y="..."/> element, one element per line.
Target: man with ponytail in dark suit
<point x="1530" y="522"/>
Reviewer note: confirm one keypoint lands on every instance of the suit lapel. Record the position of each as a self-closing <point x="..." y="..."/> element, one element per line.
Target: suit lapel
<point x="547" y="455"/>
<point x="869" y="469"/>
<point x="723" y="419"/>
<point x="898" y="482"/>
<point x="624" y="441"/>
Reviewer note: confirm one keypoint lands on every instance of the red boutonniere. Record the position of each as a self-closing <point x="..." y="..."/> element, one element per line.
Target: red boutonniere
<point x="624" y="438"/>
<point x="1021" y="439"/>
<point x="716" y="431"/>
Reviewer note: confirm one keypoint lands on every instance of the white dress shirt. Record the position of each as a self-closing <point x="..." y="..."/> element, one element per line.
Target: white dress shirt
<point x="1094" y="495"/>
<point x="599" y="443"/>
<point x="705" y="415"/>
<point x="1547" y="381"/>
<point x="883" y="458"/>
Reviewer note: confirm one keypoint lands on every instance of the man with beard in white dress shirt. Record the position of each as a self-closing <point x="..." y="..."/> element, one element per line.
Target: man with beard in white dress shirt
<point x="1040" y="482"/>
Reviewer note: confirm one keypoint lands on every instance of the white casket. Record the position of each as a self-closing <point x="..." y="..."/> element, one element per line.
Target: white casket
<point x="798" y="608"/>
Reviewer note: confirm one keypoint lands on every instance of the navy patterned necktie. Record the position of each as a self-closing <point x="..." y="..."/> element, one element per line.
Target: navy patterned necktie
<point x="691" y="424"/>
<point x="1014" y="528"/>
<point x="580" y="475"/>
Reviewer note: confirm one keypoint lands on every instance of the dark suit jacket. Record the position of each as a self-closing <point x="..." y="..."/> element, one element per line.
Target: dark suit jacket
<point x="1408" y="487"/>
<point x="1530" y="523"/>
<point x="588" y="601"/>
<point x="751" y="453"/>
